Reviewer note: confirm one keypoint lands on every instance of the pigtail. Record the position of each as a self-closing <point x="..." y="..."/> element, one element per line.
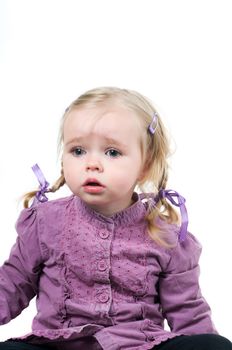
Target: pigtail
<point x="28" y="197"/>
<point x="164" y="212"/>
<point x="56" y="186"/>
<point x="59" y="183"/>
<point x="159" y="211"/>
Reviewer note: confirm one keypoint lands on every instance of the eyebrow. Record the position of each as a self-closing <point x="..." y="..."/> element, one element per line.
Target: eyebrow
<point x="107" y="139"/>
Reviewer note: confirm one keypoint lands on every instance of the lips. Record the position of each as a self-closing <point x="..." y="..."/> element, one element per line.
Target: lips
<point x="93" y="186"/>
<point x="92" y="182"/>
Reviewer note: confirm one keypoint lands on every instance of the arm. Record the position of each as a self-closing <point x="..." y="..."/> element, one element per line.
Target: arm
<point x="183" y="305"/>
<point x="19" y="275"/>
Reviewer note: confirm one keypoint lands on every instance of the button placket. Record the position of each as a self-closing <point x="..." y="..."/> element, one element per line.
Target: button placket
<point x="104" y="234"/>
<point x="102" y="265"/>
<point x="104" y="297"/>
<point x="102" y="282"/>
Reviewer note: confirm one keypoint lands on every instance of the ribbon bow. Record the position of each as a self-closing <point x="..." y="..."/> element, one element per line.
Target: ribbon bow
<point x="176" y="199"/>
<point x="40" y="195"/>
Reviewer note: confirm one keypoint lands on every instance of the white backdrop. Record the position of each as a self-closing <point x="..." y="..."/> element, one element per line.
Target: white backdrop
<point x="178" y="53"/>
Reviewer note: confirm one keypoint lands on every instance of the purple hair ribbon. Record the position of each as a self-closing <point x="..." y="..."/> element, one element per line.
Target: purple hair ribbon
<point x="176" y="199"/>
<point x="40" y="195"/>
<point x="153" y="125"/>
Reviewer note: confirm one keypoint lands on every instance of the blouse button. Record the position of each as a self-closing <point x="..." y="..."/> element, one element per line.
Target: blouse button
<point x="104" y="234"/>
<point x="102" y="266"/>
<point x="103" y="298"/>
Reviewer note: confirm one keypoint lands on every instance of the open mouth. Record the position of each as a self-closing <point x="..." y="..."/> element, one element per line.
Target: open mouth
<point x="93" y="186"/>
<point x="92" y="182"/>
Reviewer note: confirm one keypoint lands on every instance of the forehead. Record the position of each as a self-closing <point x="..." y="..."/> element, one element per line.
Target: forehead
<point x="114" y="122"/>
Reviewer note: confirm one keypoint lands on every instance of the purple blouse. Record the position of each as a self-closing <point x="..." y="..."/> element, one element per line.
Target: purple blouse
<point x="103" y="277"/>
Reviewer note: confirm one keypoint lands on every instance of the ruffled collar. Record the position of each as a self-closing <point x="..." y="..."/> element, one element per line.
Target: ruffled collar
<point x="131" y="215"/>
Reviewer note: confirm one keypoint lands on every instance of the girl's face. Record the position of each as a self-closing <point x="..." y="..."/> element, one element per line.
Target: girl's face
<point x="102" y="159"/>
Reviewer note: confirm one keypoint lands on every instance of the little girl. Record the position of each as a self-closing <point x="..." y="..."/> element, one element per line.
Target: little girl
<point x="108" y="265"/>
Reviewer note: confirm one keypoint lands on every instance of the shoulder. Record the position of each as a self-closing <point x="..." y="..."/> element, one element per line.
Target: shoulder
<point x="185" y="255"/>
<point x="49" y="211"/>
<point x="53" y="204"/>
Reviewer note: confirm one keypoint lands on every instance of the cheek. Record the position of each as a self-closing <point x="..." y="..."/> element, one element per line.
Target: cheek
<point x="67" y="176"/>
<point x="72" y="181"/>
<point x="124" y="177"/>
<point x="70" y="164"/>
<point x="68" y="171"/>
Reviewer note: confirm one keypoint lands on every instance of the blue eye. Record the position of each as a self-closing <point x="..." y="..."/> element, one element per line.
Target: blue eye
<point x="113" y="153"/>
<point x="77" y="151"/>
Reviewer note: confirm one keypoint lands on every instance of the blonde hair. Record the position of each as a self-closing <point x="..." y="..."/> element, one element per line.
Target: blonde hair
<point x="155" y="151"/>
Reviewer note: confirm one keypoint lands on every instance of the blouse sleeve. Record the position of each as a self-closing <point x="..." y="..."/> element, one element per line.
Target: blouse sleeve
<point x="183" y="305"/>
<point x="20" y="273"/>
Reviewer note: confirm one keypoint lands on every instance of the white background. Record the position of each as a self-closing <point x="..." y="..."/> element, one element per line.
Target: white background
<point x="176" y="52"/>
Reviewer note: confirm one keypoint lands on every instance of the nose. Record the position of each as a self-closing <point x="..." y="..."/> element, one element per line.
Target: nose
<point x="94" y="164"/>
